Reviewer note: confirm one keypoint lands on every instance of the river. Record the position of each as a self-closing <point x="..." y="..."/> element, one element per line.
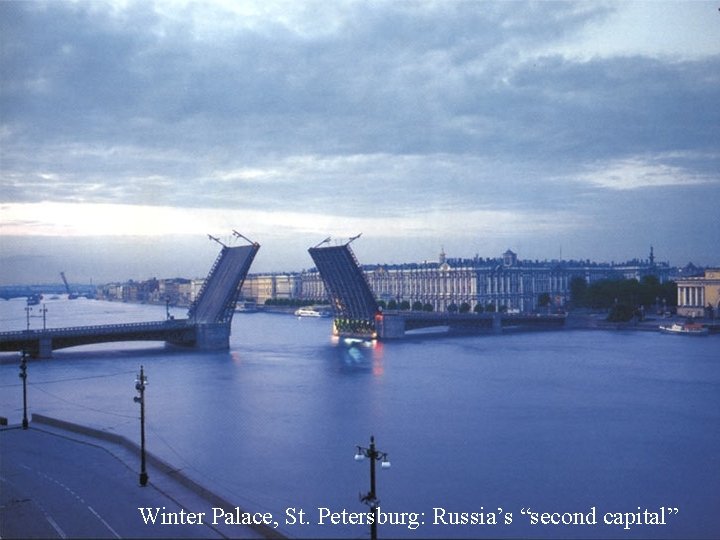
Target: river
<point x="496" y="427"/>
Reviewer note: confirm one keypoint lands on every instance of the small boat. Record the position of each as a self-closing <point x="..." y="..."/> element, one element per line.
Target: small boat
<point x="310" y="312"/>
<point x="687" y="329"/>
<point x="246" y="307"/>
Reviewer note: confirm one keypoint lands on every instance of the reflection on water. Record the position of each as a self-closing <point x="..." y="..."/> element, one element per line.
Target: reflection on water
<point x="554" y="421"/>
<point x="359" y="354"/>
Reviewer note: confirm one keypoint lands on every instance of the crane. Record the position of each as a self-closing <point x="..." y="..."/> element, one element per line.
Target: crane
<point x="71" y="295"/>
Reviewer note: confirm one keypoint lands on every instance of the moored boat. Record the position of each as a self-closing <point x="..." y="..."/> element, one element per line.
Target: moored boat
<point x="246" y="307"/>
<point x="310" y="312"/>
<point x="686" y="329"/>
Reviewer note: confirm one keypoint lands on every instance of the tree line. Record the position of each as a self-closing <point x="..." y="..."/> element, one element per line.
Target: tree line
<point x="624" y="298"/>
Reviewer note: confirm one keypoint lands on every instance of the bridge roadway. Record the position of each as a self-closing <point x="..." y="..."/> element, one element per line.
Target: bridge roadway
<point x="216" y="302"/>
<point x="41" y="343"/>
<point x="395" y="324"/>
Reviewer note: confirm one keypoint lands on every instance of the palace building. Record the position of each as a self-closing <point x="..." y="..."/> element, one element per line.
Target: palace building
<point x="503" y="283"/>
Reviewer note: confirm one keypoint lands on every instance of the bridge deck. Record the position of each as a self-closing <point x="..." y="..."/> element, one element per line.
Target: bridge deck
<point x="36" y="341"/>
<point x="216" y="301"/>
<point x="350" y="294"/>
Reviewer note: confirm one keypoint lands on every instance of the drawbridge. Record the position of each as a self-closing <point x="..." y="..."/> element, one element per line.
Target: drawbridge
<point x="353" y="303"/>
<point x="207" y="325"/>
<point x="356" y="312"/>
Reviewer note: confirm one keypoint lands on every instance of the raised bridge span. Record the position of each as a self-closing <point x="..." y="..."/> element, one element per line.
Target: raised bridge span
<point x="357" y="314"/>
<point x="207" y="325"/>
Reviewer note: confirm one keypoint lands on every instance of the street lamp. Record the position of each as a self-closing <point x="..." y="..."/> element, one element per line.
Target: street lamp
<point x="23" y="376"/>
<point x="371" y="497"/>
<point x="28" y="309"/>
<point x="140" y="384"/>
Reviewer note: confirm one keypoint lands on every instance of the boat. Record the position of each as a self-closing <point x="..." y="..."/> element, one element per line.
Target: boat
<point x="686" y="329"/>
<point x="246" y="307"/>
<point x="310" y="312"/>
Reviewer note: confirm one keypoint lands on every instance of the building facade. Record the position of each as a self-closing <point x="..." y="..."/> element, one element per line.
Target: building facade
<point x="497" y="284"/>
<point x="699" y="296"/>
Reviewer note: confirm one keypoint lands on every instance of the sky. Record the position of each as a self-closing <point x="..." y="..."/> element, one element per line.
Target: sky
<point x="129" y="131"/>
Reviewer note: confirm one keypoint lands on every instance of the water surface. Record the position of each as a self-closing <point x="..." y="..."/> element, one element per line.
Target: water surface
<point x="554" y="422"/>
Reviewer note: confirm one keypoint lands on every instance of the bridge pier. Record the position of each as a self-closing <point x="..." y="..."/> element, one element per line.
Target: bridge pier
<point x="497" y="323"/>
<point x="390" y="327"/>
<point x="44" y="349"/>
<point x="212" y="336"/>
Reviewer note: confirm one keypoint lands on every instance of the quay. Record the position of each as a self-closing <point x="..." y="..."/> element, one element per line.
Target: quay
<point x="63" y="480"/>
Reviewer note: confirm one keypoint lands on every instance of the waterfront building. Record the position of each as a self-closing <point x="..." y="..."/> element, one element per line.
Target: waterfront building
<point x="505" y="283"/>
<point x="276" y="286"/>
<point x="699" y="296"/>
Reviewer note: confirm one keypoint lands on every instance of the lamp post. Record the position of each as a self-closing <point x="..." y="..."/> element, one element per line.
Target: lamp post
<point x="28" y="309"/>
<point x="140" y="384"/>
<point x="23" y="376"/>
<point x="371" y="497"/>
<point x="44" y="312"/>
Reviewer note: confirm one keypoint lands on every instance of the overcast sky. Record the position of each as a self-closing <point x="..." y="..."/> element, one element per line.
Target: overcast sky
<point x="130" y="130"/>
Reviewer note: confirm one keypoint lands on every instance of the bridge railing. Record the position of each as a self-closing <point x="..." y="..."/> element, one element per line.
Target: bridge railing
<point x="201" y="292"/>
<point x="97" y="329"/>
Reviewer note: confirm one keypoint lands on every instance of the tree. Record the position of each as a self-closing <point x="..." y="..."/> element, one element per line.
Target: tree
<point x="452" y="308"/>
<point x="427" y="307"/>
<point x="417" y="305"/>
<point x="490" y="307"/>
<point x="479" y="308"/>
<point x="392" y="304"/>
<point x="404" y="305"/>
<point x="464" y="307"/>
<point x="621" y="313"/>
<point x="578" y="291"/>
<point x="544" y="300"/>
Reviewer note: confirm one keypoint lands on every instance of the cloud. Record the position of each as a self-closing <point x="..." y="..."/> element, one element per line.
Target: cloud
<point x="637" y="173"/>
<point x="422" y="119"/>
<point x="108" y="220"/>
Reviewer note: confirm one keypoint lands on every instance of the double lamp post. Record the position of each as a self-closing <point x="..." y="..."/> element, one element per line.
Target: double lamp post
<point x="370" y="498"/>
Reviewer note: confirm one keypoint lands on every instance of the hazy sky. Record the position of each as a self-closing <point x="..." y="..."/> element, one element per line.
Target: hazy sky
<point x="129" y="130"/>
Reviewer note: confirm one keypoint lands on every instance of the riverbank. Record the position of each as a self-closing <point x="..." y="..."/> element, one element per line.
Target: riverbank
<point x="64" y="480"/>
<point x="597" y="321"/>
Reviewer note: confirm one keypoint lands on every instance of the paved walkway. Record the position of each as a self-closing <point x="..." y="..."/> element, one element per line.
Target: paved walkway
<point x="57" y="484"/>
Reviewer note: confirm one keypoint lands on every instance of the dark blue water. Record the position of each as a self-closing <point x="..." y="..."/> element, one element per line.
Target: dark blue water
<point x="557" y="422"/>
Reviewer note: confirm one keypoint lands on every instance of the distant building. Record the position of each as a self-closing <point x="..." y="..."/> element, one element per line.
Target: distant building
<point x="502" y="283"/>
<point x="276" y="286"/>
<point x="505" y="283"/>
<point x="699" y="296"/>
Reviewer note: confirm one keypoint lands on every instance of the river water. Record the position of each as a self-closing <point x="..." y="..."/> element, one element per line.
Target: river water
<point x="562" y="422"/>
